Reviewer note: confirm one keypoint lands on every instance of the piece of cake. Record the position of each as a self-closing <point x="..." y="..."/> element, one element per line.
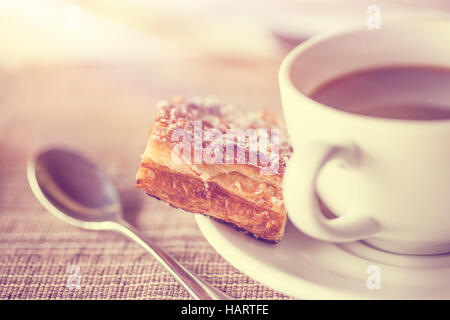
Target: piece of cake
<point x="219" y="161"/>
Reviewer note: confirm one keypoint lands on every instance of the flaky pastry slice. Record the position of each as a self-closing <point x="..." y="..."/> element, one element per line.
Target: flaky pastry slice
<point x="216" y="160"/>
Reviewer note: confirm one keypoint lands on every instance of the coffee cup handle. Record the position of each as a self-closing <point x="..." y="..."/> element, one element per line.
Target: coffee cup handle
<point x="299" y="194"/>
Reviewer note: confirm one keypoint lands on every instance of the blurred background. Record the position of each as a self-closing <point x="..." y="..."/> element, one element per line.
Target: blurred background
<point x="72" y="70"/>
<point x="88" y="74"/>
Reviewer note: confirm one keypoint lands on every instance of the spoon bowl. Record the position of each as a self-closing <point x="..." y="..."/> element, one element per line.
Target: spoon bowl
<point x="74" y="189"/>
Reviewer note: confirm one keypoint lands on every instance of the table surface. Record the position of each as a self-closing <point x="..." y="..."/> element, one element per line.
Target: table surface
<point x="93" y="87"/>
<point x="105" y="111"/>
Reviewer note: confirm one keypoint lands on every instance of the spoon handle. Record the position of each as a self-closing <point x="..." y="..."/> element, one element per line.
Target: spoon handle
<point x="199" y="289"/>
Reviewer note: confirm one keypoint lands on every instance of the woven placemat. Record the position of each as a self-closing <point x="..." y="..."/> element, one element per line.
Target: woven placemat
<point x="105" y="112"/>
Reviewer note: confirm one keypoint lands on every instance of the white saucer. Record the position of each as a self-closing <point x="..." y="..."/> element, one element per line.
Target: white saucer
<point x="305" y="268"/>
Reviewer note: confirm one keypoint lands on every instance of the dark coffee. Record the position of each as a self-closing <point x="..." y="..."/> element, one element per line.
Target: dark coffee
<point x="411" y="93"/>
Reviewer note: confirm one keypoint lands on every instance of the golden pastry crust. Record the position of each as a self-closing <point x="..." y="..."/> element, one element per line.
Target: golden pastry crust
<point x="236" y="193"/>
<point x="189" y="193"/>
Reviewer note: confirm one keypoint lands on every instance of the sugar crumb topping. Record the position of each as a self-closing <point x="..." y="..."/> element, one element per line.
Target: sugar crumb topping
<point x="180" y="113"/>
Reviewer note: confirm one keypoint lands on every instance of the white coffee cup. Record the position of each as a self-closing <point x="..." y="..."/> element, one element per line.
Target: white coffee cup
<point x="386" y="180"/>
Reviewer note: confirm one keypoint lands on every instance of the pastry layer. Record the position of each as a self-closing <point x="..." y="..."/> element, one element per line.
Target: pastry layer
<point x="240" y="180"/>
<point x="189" y="193"/>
